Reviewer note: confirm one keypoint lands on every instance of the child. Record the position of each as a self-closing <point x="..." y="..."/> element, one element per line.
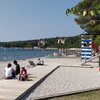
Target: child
<point x="23" y="74"/>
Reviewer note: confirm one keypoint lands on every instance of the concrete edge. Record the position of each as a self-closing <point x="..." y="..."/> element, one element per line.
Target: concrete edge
<point x="33" y="87"/>
<point x="76" y="66"/>
<point x="66" y="93"/>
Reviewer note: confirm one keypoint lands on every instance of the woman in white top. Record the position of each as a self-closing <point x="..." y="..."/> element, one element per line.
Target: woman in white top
<point x="40" y="62"/>
<point x="9" y="72"/>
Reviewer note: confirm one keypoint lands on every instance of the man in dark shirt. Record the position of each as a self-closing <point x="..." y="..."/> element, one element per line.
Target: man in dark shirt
<point x="17" y="69"/>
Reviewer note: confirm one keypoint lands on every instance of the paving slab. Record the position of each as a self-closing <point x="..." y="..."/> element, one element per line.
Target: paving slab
<point x="12" y="89"/>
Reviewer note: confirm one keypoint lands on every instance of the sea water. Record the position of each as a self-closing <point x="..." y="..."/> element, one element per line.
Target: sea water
<point x="10" y="54"/>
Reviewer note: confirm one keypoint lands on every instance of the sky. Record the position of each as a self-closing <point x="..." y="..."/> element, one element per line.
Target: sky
<point x="36" y="19"/>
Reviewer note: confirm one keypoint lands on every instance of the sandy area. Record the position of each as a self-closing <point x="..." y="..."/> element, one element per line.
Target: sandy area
<point x="70" y="61"/>
<point x="22" y="63"/>
<point x="25" y="63"/>
<point x="66" y="80"/>
<point x="72" y="75"/>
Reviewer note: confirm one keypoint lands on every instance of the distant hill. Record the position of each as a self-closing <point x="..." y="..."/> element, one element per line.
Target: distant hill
<point x="58" y="42"/>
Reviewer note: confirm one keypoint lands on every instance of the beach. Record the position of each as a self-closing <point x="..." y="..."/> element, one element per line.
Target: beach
<point x="22" y="63"/>
<point x="70" y="76"/>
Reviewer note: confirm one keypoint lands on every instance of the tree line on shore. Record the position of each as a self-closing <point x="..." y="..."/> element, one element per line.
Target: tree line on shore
<point x="69" y="42"/>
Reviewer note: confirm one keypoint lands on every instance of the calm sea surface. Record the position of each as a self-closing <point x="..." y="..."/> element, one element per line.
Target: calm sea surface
<point x="10" y="54"/>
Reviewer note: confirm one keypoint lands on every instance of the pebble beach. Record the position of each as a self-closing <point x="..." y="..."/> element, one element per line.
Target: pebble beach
<point x="65" y="80"/>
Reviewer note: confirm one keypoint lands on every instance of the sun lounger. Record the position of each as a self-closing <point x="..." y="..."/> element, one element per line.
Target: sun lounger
<point x="98" y="55"/>
<point x="32" y="64"/>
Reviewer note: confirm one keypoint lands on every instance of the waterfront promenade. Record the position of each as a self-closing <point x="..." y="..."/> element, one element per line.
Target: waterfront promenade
<point x="70" y="74"/>
<point x="14" y="89"/>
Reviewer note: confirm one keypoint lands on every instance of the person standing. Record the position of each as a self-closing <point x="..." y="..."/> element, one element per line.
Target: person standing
<point x="17" y="69"/>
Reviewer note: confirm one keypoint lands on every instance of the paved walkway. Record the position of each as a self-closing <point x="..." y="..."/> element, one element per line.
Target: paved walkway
<point x="12" y="89"/>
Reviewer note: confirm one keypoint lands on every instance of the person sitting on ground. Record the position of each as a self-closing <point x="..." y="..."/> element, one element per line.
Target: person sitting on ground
<point x="9" y="72"/>
<point x="40" y="62"/>
<point x="17" y="69"/>
<point x="23" y="74"/>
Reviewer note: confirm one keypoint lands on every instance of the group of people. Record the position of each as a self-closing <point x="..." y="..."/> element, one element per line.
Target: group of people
<point x="17" y="73"/>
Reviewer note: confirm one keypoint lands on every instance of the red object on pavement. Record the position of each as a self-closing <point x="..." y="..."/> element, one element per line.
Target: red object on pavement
<point x="99" y="68"/>
<point x="94" y="46"/>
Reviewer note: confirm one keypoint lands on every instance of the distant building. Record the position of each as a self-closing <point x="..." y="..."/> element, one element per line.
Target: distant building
<point x="41" y="43"/>
<point x="61" y="40"/>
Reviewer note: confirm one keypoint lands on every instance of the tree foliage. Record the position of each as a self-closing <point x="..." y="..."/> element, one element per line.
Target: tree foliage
<point x="88" y="15"/>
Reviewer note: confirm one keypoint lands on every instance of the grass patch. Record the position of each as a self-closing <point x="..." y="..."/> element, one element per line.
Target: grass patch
<point x="92" y="95"/>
